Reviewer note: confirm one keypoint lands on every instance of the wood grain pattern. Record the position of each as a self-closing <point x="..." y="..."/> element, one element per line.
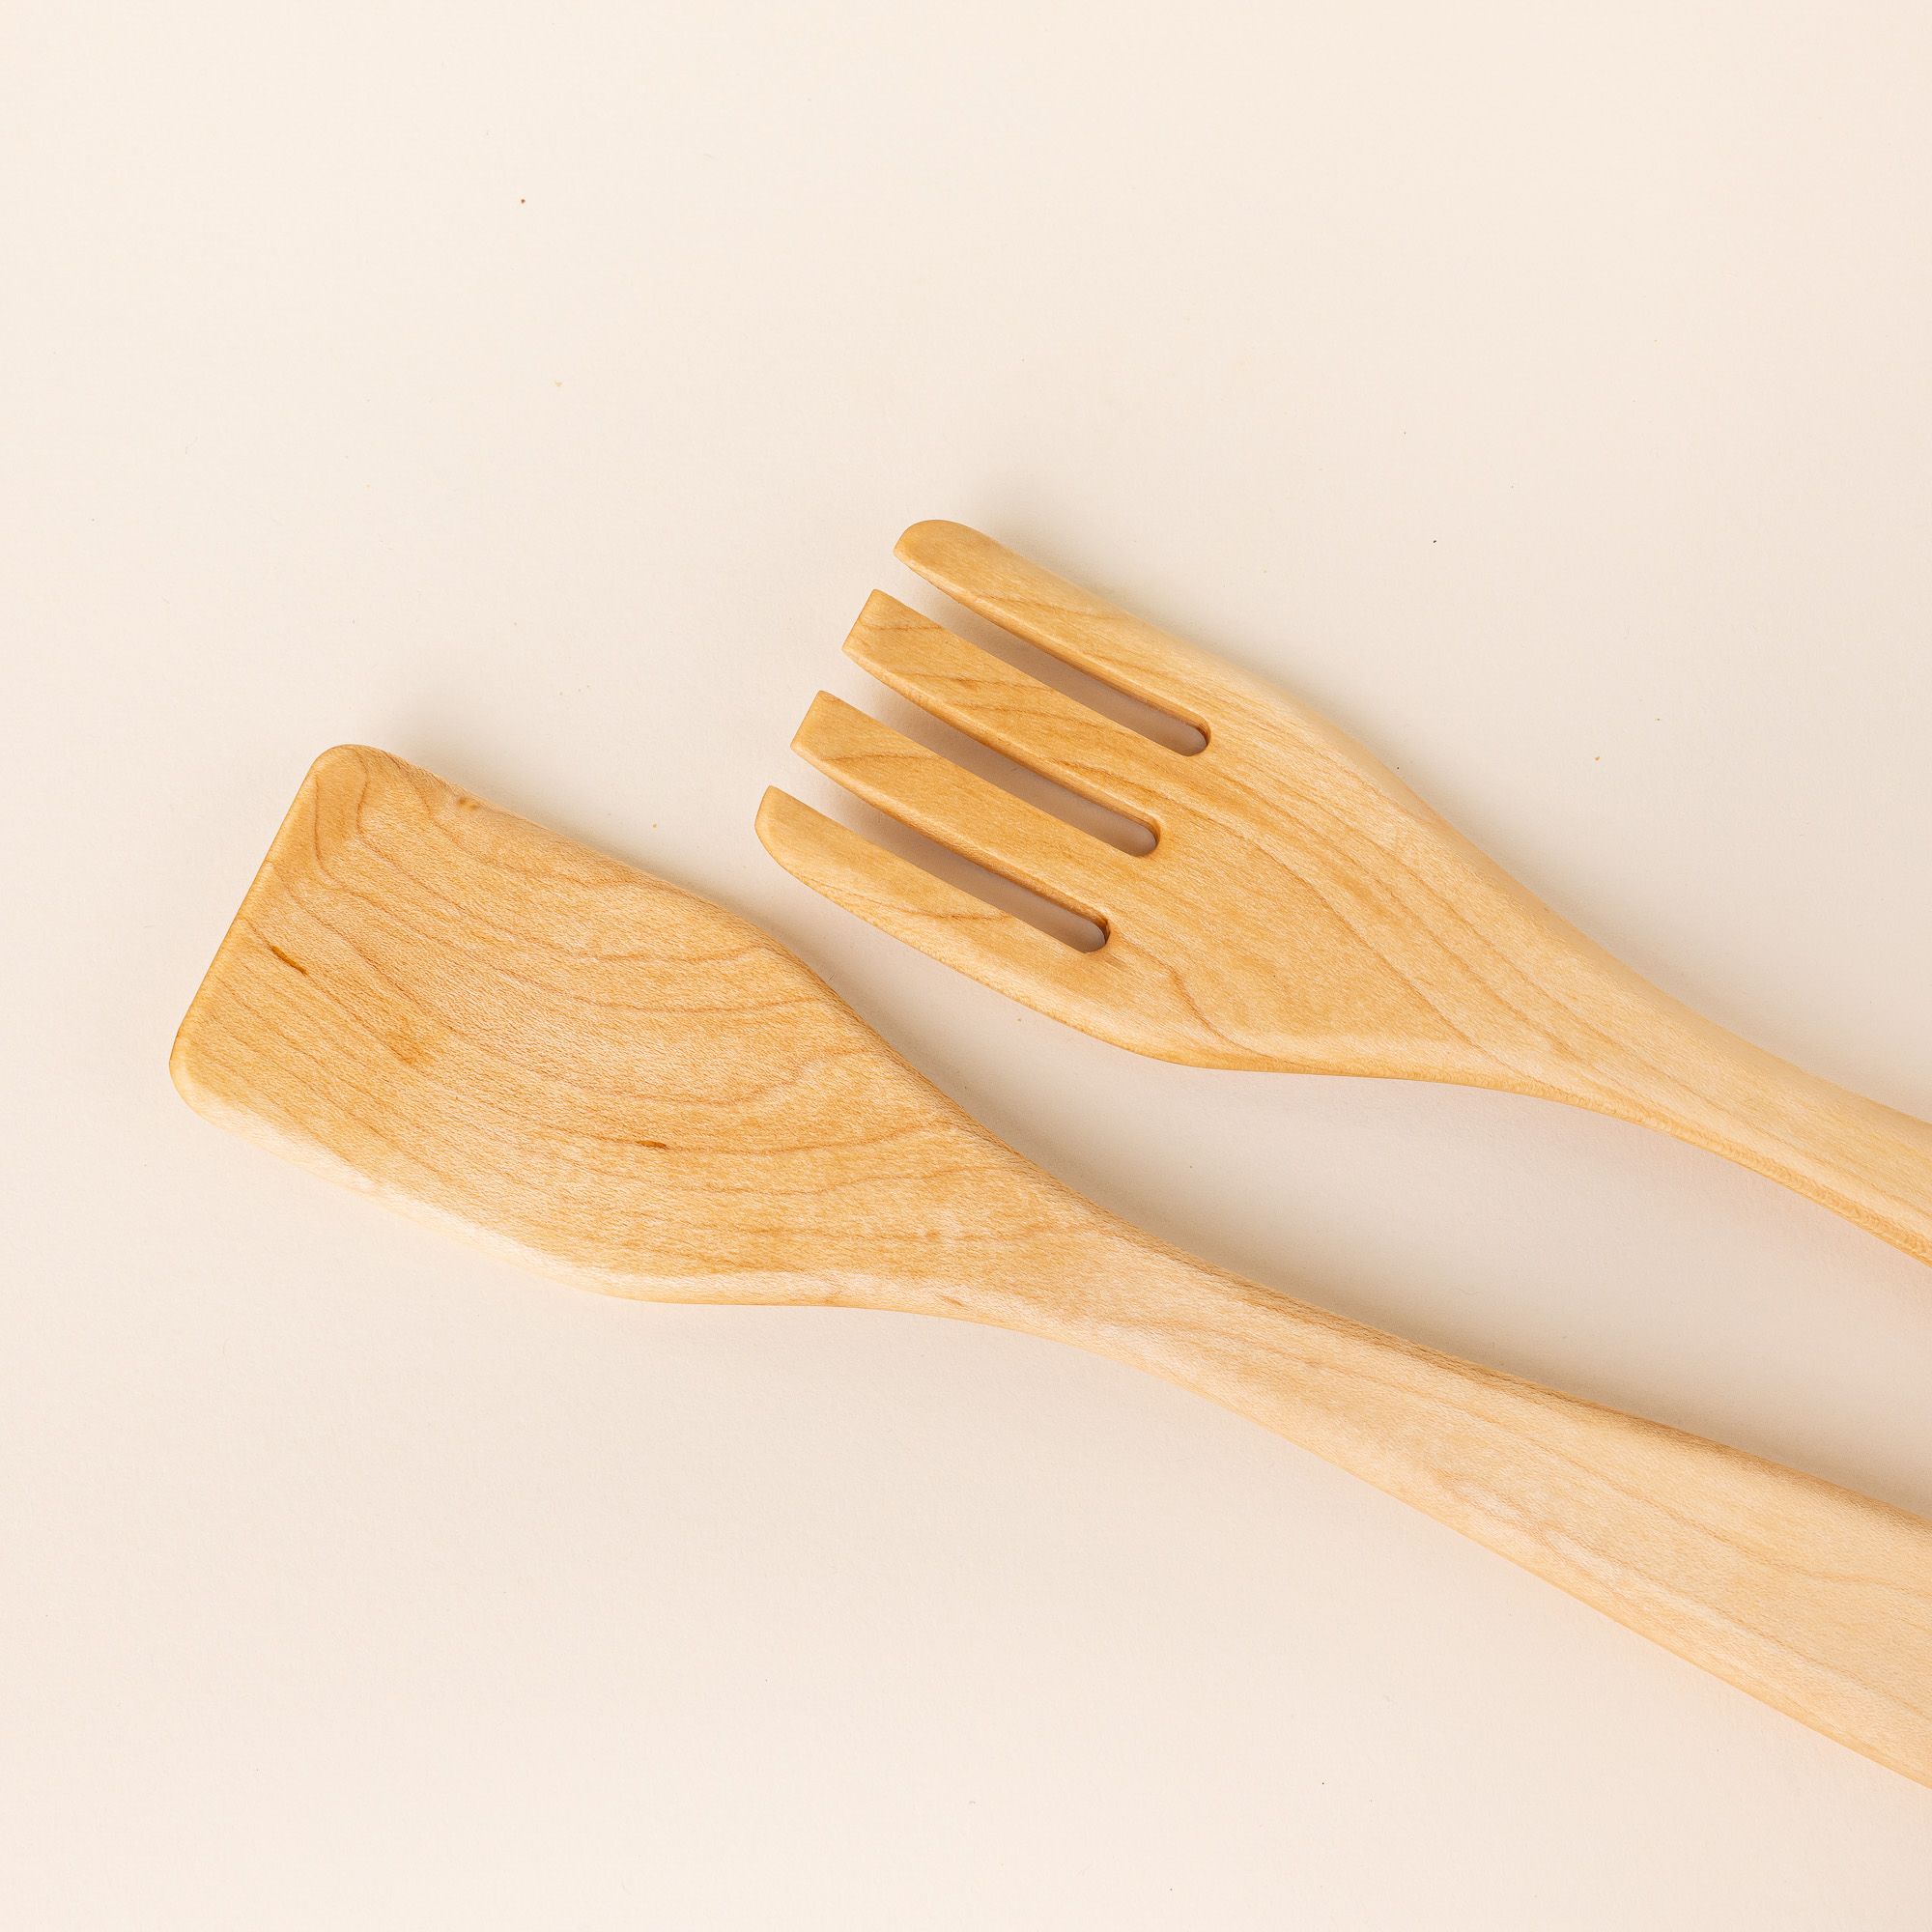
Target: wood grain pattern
<point x="1302" y="909"/>
<point x="619" y="1083"/>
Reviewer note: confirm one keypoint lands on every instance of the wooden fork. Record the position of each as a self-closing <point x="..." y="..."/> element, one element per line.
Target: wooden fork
<point x="611" y="1079"/>
<point x="1301" y="909"/>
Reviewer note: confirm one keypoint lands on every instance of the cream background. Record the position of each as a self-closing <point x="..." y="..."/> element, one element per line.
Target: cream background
<point x="1542" y="391"/>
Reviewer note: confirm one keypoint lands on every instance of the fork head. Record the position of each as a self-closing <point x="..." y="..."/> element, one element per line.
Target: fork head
<point x="1300" y="908"/>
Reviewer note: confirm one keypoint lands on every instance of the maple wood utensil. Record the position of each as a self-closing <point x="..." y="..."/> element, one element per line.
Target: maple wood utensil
<point x="1301" y="909"/>
<point x="611" y="1079"/>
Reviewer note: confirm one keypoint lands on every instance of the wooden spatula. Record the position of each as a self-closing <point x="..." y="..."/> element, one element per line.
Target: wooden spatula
<point x="612" y="1080"/>
<point x="1301" y="909"/>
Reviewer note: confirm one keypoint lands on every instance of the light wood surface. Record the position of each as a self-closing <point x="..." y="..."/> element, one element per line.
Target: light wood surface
<point x="1301" y="909"/>
<point x="604" y="1076"/>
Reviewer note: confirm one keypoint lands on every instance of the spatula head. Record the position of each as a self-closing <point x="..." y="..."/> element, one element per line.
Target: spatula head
<point x="536" y="1045"/>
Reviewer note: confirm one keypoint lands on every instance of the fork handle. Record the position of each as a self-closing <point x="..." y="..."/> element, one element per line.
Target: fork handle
<point x="1628" y="1049"/>
<point x="1814" y="1599"/>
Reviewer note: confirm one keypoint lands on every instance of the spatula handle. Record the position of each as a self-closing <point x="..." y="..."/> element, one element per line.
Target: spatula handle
<point x="1816" y="1600"/>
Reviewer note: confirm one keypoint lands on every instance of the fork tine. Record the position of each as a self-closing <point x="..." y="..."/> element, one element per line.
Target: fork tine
<point x="910" y="904"/>
<point x="1073" y="624"/>
<point x="1000" y="705"/>
<point x="958" y="809"/>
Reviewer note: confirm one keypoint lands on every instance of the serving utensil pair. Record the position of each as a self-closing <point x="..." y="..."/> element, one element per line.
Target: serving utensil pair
<point x="622" y="1084"/>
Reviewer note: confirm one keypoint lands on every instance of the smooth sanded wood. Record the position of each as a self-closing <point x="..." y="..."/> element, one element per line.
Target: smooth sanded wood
<point x="1301" y="910"/>
<point x="619" y="1083"/>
